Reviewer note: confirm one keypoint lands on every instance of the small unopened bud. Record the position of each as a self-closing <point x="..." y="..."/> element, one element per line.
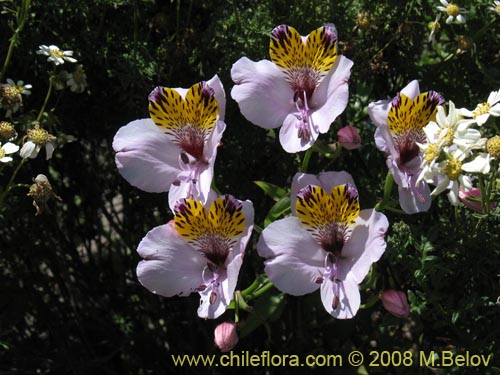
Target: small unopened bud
<point x="349" y="137"/>
<point x="225" y="336"/>
<point x="41" y="192"/>
<point x="472" y="199"/>
<point x="7" y="131"/>
<point x="396" y="303"/>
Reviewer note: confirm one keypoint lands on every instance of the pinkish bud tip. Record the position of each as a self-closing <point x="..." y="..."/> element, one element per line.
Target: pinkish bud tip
<point x="396" y="303"/>
<point x="225" y="336"/>
<point x="474" y="203"/>
<point x="349" y="137"/>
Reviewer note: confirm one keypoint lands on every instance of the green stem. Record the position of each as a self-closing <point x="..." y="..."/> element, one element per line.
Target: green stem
<point x="49" y="92"/>
<point x="21" y="17"/>
<point x="305" y="161"/>
<point x="9" y="186"/>
<point x="485" y="199"/>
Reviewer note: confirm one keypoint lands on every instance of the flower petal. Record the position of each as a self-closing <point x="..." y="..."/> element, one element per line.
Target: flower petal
<point x="365" y="246"/>
<point x="145" y="156"/>
<point x="289" y="136"/>
<point x="171" y="266"/>
<point x="411" y="90"/>
<point x="29" y="150"/>
<point x="293" y="259"/>
<point x="327" y="180"/>
<point x="10" y="148"/>
<point x="262" y="93"/>
<point x="330" y="98"/>
<point x="348" y="298"/>
<point x="220" y="95"/>
<point x="416" y="199"/>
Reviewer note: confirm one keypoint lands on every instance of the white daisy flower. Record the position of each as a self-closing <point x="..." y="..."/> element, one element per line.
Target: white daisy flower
<point x="454" y="12"/>
<point x="6" y="149"/>
<point x="20" y="87"/>
<point x="495" y="7"/>
<point x="38" y="138"/>
<point x="77" y="81"/>
<point x="484" y="110"/>
<point x="56" y="55"/>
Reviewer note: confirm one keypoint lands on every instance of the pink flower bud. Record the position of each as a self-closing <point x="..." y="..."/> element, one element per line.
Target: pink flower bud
<point x="225" y="336"/>
<point x="473" y="205"/>
<point x="396" y="303"/>
<point x="349" y="137"/>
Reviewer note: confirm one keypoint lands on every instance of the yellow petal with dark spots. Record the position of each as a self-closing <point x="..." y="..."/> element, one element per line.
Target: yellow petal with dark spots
<point x="412" y="115"/>
<point x="316" y="208"/>
<point x="225" y="218"/>
<point x="289" y="52"/>
<point x="170" y="111"/>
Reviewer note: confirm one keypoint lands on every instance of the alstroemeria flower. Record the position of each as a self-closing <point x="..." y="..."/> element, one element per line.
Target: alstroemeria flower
<point x="400" y="124"/>
<point x="201" y="250"/>
<point x="302" y="89"/>
<point x="329" y="245"/>
<point x="175" y="150"/>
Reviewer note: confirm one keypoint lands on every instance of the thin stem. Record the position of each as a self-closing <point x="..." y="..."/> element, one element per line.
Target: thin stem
<point x="9" y="186"/>
<point x="49" y="92"/>
<point x="21" y="17"/>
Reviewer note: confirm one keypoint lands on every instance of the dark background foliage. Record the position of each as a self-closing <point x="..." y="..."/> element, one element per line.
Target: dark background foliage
<point x="70" y="301"/>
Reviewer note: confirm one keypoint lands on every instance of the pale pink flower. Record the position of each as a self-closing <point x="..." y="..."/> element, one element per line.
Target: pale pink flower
<point x="201" y="250"/>
<point x="329" y="244"/>
<point x="175" y="150"/>
<point x="303" y="89"/>
<point x="400" y="122"/>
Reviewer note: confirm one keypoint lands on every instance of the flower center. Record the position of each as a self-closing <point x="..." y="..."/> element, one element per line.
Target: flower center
<point x="10" y="93"/>
<point x="212" y="232"/>
<point x="407" y="146"/>
<point x="2" y="152"/>
<point x="493" y="146"/>
<point x="434" y="25"/>
<point x="7" y="130"/>
<point x="448" y="136"/>
<point x="57" y="53"/>
<point x="39" y="136"/>
<point x="329" y="217"/>
<point x="187" y="121"/>
<point x="431" y="152"/>
<point x="453" y="10"/>
<point x="453" y="168"/>
<point x="481" y="109"/>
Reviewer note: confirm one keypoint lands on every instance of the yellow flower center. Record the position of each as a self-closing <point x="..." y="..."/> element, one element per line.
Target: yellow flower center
<point x="57" y="53"/>
<point x="481" y="109"/>
<point x="39" y="136"/>
<point x="453" y="10"/>
<point x="7" y="130"/>
<point x="434" y="25"/>
<point x="453" y="169"/>
<point x="448" y="136"/>
<point x="497" y="8"/>
<point x="431" y="152"/>
<point x="493" y="146"/>
<point x="10" y="93"/>
<point x="2" y="153"/>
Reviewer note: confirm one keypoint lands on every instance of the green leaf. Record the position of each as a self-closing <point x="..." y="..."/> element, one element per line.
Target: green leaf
<point x="281" y="208"/>
<point x="272" y="190"/>
<point x="267" y="308"/>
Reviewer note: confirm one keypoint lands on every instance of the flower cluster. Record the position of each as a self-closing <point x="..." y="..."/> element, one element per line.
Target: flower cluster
<point x="454" y="148"/>
<point x="36" y="135"/>
<point x="328" y="243"/>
